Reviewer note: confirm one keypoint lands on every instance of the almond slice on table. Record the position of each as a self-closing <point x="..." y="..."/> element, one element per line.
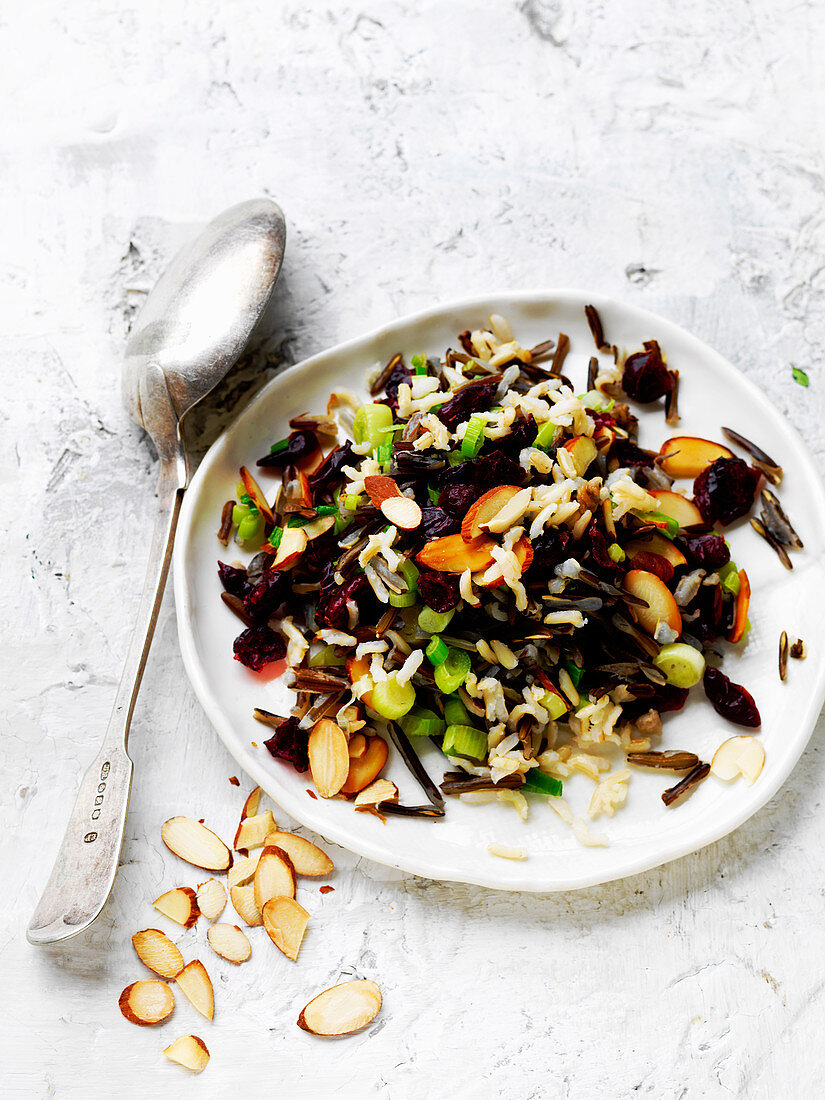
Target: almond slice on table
<point x="252" y="831"/>
<point x="307" y="858"/>
<point x="146" y="1002"/>
<point x="196" y="844"/>
<point x="737" y="756"/>
<point x="382" y="790"/>
<point x="274" y="877"/>
<point x="243" y="870"/>
<point x="189" y="1051"/>
<point x="230" y="942"/>
<point x="158" y="952"/>
<point x="285" y="922"/>
<point x="243" y="899"/>
<point x="328" y="757"/>
<point x="343" y="1009"/>
<point x="253" y="801"/>
<point x="211" y="898"/>
<point x="180" y="905"/>
<point x="196" y="985"/>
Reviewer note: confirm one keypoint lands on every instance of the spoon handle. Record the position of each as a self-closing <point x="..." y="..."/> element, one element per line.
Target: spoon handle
<point x="86" y="865"/>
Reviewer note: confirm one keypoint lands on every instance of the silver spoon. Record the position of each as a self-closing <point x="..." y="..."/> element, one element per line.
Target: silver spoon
<point x="190" y="331"/>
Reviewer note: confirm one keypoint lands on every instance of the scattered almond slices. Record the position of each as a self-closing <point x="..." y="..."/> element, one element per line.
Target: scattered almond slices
<point x="197" y="987"/>
<point x="274" y="877"/>
<point x="285" y="922"/>
<point x="737" y="756"/>
<point x="230" y="942"/>
<point x="402" y="512"/>
<point x="329" y="759"/>
<point x="253" y="801"/>
<point x="189" y="1051"/>
<point x="242" y="871"/>
<point x="180" y="905"/>
<point x="307" y="858"/>
<point x="252" y="831"/>
<point x="343" y="1009"/>
<point x="243" y="900"/>
<point x="158" y="952"/>
<point x="382" y="790"/>
<point x="193" y="842"/>
<point x="211" y="898"/>
<point x="146" y="1002"/>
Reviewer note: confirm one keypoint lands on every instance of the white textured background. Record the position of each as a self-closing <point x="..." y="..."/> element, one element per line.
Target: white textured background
<point x="668" y="154"/>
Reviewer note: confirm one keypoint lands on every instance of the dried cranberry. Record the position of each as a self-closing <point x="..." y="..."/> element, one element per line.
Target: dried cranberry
<point x="731" y="700"/>
<point x="598" y="548"/>
<point x="267" y="595"/>
<point x="550" y="548"/>
<point x="496" y="468"/>
<point x="664" y="697"/>
<point x="235" y="581"/>
<point x="456" y="499"/>
<point x="438" y="590"/>
<point x="318" y="553"/>
<point x="399" y="375"/>
<point x="709" y="624"/>
<point x="436" y="523"/>
<point x="707" y="551"/>
<point x="474" y="397"/>
<point x="724" y="491"/>
<point x="522" y="434"/>
<point x="300" y="445"/>
<point x="601" y="419"/>
<point x="645" y="377"/>
<point x="332" y="606"/>
<point x="289" y="742"/>
<point x="258" y="646"/>
<point x="331" y="467"/>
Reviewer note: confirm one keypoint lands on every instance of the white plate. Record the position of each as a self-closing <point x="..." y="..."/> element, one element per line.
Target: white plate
<point x="644" y="833"/>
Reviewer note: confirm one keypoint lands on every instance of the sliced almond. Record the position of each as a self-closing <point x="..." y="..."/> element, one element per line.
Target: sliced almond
<point x="381" y="488"/>
<point x="253" y="801"/>
<point x="357" y="745"/>
<point x="195" y="843"/>
<point x="211" y="898"/>
<point x="737" y="756"/>
<point x="328" y="757"/>
<point x="318" y="527"/>
<point x="188" y="1051"/>
<point x="364" y="769"/>
<point x="403" y="512"/>
<point x="195" y="983"/>
<point x="256" y="492"/>
<point x="243" y="899"/>
<point x="156" y="950"/>
<point x="285" y="922"/>
<point x="382" y="790"/>
<point x="230" y="942"/>
<point x="146" y="1002"/>
<point x="307" y="858"/>
<point x="343" y="1009"/>
<point x="180" y="905"/>
<point x="252" y="831"/>
<point x="274" y="877"/>
<point x="510" y="514"/>
<point x="243" y="870"/>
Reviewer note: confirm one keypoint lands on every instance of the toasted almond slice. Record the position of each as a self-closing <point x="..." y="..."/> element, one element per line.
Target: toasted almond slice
<point x="228" y="941"/>
<point x="403" y="512"/>
<point x="343" y="1009"/>
<point x="742" y="755"/>
<point x="243" y="899"/>
<point x="328" y="757"/>
<point x="195" y="983"/>
<point x="307" y="858"/>
<point x="382" y="790"/>
<point x="292" y="545"/>
<point x="357" y="745"/>
<point x="380" y="488"/>
<point x="364" y="769"/>
<point x="318" y="527"/>
<point x="188" y="1051"/>
<point x="274" y="877"/>
<point x="146" y="1002"/>
<point x="195" y="843"/>
<point x="256" y="492"/>
<point x="243" y="871"/>
<point x="285" y="922"/>
<point x="252" y="831"/>
<point x="211" y="898"/>
<point x="510" y="513"/>
<point x="253" y="801"/>
<point x="156" y="950"/>
<point x="180" y="905"/>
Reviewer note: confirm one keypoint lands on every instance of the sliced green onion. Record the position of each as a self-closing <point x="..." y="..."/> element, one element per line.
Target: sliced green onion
<point x="437" y="652"/>
<point x="326" y="510"/>
<point x="800" y="376"/>
<point x="465" y="741"/>
<point x="392" y="700"/>
<point x="329" y="655"/>
<point x="555" y="704"/>
<point x="409" y="571"/>
<point x="297" y="521"/>
<point x="239" y="513"/>
<point x="473" y="439"/>
<point x="455" y="713"/>
<point x="246" y="499"/>
<point x="281" y="445"/>
<point x="539" y="783"/>
<point x="240" y="490"/>
<point x="383" y="452"/>
<point x="433" y="622"/>
<point x="251" y="527"/>
<point x="433" y="494"/>
<point x="419" y="364"/>
<point x="615" y="553"/>
<point x="729" y="578"/>
<point x="546" y="436"/>
<point x="575" y="673"/>
<point x="368" y="423"/>
<point x="451" y="674"/>
<point x="683" y="665"/>
<point x="352" y="501"/>
<point x="420" y="722"/>
<point x="276" y="536"/>
<point x="341" y="524"/>
<point x="402" y="599"/>
<point x="672" y="525"/>
<point x="596" y="401"/>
